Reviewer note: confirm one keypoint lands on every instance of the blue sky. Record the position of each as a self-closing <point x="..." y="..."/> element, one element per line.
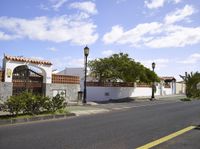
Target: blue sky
<point x="164" y="31"/>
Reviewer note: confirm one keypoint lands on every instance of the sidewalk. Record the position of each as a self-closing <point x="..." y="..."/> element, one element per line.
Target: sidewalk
<point x="85" y="110"/>
<point x="164" y="97"/>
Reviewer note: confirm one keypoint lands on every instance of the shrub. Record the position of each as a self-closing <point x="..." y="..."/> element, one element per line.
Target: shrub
<point x="185" y="99"/>
<point x="14" y="105"/>
<point x="58" y="102"/>
<point x="191" y="81"/>
<point x="29" y="103"/>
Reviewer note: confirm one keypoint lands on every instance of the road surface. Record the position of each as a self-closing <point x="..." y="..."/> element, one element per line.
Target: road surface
<point x="126" y="128"/>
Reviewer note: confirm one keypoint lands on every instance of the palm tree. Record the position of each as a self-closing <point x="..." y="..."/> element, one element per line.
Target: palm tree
<point x="191" y="81"/>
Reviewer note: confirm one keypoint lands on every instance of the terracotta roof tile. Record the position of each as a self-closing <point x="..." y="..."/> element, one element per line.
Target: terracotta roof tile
<point x="167" y="78"/>
<point x="23" y="59"/>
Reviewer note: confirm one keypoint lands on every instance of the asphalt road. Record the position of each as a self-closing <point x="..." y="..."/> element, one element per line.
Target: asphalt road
<point x="120" y="129"/>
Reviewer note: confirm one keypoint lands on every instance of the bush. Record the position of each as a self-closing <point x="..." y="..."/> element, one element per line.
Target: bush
<point x="191" y="81"/>
<point x="57" y="102"/>
<point x="46" y="104"/>
<point x="185" y="99"/>
<point x="29" y="103"/>
<point x="14" y="105"/>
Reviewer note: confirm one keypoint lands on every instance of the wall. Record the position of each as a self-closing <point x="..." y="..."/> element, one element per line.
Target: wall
<point x="5" y="90"/>
<point x="105" y="93"/>
<point x="167" y="91"/>
<point x="180" y="88"/>
<point x="71" y="90"/>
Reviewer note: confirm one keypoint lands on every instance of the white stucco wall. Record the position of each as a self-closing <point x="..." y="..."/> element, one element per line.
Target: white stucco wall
<point x="106" y="93"/>
<point x="11" y="65"/>
<point x="167" y="91"/>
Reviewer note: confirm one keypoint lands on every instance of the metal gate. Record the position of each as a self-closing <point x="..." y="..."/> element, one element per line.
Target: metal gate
<point x="25" y="79"/>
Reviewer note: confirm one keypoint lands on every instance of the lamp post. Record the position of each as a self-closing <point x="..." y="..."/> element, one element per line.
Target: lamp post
<point x="152" y="96"/>
<point x="86" y="53"/>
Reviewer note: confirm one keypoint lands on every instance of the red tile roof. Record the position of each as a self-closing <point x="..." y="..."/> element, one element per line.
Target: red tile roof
<point x="167" y="78"/>
<point x="23" y="59"/>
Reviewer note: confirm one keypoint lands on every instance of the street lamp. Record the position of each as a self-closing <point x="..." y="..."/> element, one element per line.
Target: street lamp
<point x="86" y="53"/>
<point x="152" y="96"/>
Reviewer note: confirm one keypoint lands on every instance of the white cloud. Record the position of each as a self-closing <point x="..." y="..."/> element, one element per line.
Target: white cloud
<point x="161" y="63"/>
<point x="4" y="36"/>
<point x="74" y="29"/>
<point x="88" y="7"/>
<point x="53" y="49"/>
<point x="63" y="62"/>
<point x="114" y="35"/>
<point x="107" y="52"/>
<point x="151" y="4"/>
<point x="52" y="4"/>
<point x="157" y="34"/>
<point x="179" y="15"/>
<point x="154" y="4"/>
<point x="43" y="7"/>
<point x="133" y="36"/>
<point x="177" y="1"/>
<point x="176" y="36"/>
<point x="192" y="59"/>
<point x="57" y="4"/>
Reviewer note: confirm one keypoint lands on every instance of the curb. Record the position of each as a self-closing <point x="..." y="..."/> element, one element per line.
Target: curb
<point x="90" y="112"/>
<point x="35" y="118"/>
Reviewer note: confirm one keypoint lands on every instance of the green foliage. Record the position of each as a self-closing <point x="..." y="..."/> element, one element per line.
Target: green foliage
<point x="57" y="102"/>
<point x="14" y="105"/>
<point x="29" y="103"/>
<point x="191" y="81"/>
<point x="185" y="99"/>
<point x="120" y="67"/>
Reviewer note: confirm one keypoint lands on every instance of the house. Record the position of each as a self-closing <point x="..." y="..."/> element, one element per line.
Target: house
<point x="79" y="72"/>
<point x="20" y="74"/>
<point x="168" y="82"/>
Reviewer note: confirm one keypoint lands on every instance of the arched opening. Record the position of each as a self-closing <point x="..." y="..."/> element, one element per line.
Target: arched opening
<point x="27" y="78"/>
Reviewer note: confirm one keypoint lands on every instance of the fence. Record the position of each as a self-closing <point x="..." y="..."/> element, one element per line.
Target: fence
<point x="121" y="84"/>
<point x="111" y="84"/>
<point x="63" y="79"/>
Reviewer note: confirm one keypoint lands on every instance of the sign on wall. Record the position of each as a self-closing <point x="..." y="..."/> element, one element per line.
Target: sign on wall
<point x="9" y="72"/>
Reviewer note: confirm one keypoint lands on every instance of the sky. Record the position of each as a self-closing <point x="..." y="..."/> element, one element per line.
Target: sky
<point x="166" y="32"/>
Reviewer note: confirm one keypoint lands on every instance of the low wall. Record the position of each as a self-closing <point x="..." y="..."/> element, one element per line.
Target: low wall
<point x="71" y="90"/>
<point x="167" y="91"/>
<point x="99" y="93"/>
<point x="5" y="90"/>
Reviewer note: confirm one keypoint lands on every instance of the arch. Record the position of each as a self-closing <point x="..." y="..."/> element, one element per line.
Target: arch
<point x="10" y="65"/>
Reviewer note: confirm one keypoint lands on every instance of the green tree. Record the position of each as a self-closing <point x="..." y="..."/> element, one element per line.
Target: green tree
<point x="120" y="67"/>
<point x="191" y="81"/>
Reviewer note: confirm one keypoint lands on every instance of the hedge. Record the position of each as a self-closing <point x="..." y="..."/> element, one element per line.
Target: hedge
<point x="29" y="103"/>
